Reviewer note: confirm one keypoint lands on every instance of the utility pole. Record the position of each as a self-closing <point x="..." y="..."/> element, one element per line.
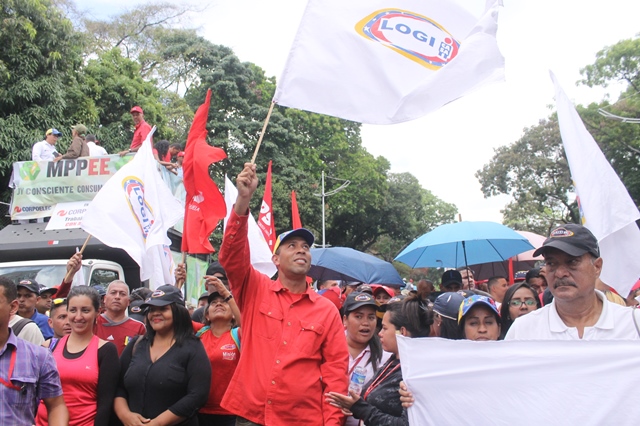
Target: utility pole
<point x="323" y="194"/>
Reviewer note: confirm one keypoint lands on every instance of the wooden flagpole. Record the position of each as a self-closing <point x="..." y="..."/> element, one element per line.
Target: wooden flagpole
<point x="66" y="277"/>
<point x="264" y="128"/>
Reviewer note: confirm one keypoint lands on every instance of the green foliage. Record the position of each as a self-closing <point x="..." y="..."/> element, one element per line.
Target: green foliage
<point x="620" y="62"/>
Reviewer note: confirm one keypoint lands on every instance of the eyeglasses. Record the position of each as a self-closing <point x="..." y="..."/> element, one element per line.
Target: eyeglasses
<point x="59" y="301"/>
<point x="516" y="303"/>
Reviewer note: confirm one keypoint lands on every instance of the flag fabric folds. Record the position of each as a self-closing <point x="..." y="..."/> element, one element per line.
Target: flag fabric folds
<point x="295" y="214"/>
<point x="572" y="382"/>
<point x="265" y="217"/>
<point x="204" y="204"/>
<point x="371" y="62"/>
<point x="260" y="252"/>
<point x="133" y="211"/>
<point x="605" y="205"/>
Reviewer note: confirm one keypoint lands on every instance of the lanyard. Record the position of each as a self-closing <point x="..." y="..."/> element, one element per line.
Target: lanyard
<point x="355" y="364"/>
<point x="378" y="380"/>
<point x="12" y="363"/>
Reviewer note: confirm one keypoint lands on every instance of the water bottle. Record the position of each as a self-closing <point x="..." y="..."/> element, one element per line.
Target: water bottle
<point x="357" y="380"/>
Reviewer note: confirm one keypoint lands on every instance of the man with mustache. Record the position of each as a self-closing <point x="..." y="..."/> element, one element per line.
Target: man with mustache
<point x="578" y="310"/>
<point x="293" y="344"/>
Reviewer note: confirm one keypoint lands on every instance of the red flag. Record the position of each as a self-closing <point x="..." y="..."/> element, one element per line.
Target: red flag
<point x="204" y="206"/>
<point x="295" y="215"/>
<point x="265" y="218"/>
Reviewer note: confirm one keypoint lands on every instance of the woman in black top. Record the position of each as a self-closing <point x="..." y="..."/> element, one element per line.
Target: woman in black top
<point x="165" y="374"/>
<point x="379" y="404"/>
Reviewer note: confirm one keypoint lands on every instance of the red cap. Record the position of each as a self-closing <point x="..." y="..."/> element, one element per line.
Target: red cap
<point x="181" y="154"/>
<point x="137" y="109"/>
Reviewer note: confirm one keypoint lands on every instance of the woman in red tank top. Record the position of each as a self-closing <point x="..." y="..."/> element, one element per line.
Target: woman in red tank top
<point x="88" y="366"/>
<point x="221" y="340"/>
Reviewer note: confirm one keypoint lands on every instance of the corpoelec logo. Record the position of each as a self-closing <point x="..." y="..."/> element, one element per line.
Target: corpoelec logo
<point x="29" y="170"/>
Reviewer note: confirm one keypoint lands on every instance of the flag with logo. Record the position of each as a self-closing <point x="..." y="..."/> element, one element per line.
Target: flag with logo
<point x="383" y="62"/>
<point x="265" y="218"/>
<point x="204" y="204"/>
<point x="133" y="211"/>
<point x="605" y="205"/>
<point x="260" y="252"/>
<point x="295" y="214"/>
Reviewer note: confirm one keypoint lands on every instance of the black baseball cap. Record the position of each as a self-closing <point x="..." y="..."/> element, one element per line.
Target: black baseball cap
<point x="204" y="295"/>
<point x="448" y="305"/>
<point x="30" y="285"/>
<point x="451" y="276"/>
<point x="163" y="296"/>
<point x="44" y="290"/>
<point x="394" y="299"/>
<point x="216" y="267"/>
<point x="573" y="239"/>
<point x="357" y="300"/>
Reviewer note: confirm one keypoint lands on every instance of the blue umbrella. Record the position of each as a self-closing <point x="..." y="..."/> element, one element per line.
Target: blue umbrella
<point x="462" y="244"/>
<point x="347" y="264"/>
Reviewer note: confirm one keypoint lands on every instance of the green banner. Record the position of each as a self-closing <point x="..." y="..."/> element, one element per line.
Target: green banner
<point x="39" y="185"/>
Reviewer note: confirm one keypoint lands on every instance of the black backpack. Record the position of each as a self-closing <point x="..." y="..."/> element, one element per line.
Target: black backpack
<point x="18" y="326"/>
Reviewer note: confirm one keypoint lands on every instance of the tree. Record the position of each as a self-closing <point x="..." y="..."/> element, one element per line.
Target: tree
<point x="39" y="60"/>
<point x="620" y="62"/>
<point x="535" y="172"/>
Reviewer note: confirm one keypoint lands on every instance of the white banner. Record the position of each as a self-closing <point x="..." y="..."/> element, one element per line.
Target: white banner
<point x="383" y="62"/>
<point x="524" y="383"/>
<point x="67" y="215"/>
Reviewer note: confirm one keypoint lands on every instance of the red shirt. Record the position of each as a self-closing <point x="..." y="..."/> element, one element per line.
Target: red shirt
<point x="293" y="345"/>
<point x="118" y="333"/>
<point x="142" y="130"/>
<point x="224" y="356"/>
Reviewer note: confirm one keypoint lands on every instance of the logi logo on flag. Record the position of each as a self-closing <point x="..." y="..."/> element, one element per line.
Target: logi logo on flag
<point x="134" y="189"/>
<point x="414" y="36"/>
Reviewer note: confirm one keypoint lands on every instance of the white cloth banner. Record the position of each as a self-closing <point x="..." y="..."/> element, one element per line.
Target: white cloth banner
<point x="605" y="205"/>
<point x="133" y="211"/>
<point x="383" y="62"/>
<point x="258" y="246"/>
<point x="462" y="382"/>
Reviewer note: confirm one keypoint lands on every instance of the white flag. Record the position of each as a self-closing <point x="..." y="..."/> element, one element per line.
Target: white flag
<point x="260" y="252"/>
<point x="372" y="62"/>
<point x="133" y="211"/>
<point x="605" y="205"/>
<point x="524" y="383"/>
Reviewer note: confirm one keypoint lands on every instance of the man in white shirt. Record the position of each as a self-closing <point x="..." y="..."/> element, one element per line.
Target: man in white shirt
<point x="578" y="310"/>
<point x="95" y="150"/>
<point x="45" y="150"/>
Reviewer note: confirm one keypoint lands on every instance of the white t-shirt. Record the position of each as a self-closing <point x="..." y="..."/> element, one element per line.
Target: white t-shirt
<point x="96" y="150"/>
<point x="43" y="151"/>
<point x="30" y="332"/>
<point x="615" y="323"/>
<point x="362" y="360"/>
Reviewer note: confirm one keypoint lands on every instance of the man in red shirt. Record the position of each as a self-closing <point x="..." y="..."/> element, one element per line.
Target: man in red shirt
<point x="142" y="130"/>
<point x="114" y="325"/>
<point x="294" y="348"/>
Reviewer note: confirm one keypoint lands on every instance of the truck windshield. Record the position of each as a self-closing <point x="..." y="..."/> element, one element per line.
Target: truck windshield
<point x="48" y="275"/>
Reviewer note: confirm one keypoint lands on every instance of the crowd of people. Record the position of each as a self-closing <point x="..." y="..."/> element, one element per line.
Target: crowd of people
<point x="262" y="351"/>
<point x="84" y="144"/>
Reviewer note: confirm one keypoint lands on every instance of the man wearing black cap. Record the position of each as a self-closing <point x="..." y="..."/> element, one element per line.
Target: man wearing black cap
<point x="214" y="270"/>
<point x="294" y="348"/>
<point x="451" y="281"/>
<point x="28" y="293"/>
<point x="578" y="310"/>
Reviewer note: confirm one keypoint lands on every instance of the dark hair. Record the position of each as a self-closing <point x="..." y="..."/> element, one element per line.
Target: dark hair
<point x="162" y="147"/>
<point x="494" y="280"/>
<point x="85" y="290"/>
<point x="10" y="289"/>
<point x="449" y="329"/>
<point x="90" y="138"/>
<point x="418" y="316"/>
<point x="374" y="346"/>
<point x="176" y="146"/>
<point x="182" y="325"/>
<point x="206" y="318"/>
<point x="506" y="319"/>
<point x="140" y="293"/>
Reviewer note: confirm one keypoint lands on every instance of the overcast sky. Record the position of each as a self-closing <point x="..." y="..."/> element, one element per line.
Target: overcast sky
<point x="446" y="148"/>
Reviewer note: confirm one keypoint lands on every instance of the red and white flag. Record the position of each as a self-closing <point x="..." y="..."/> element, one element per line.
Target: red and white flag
<point x="384" y="62"/>
<point x="295" y="214"/>
<point x="204" y="204"/>
<point x="265" y="218"/>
